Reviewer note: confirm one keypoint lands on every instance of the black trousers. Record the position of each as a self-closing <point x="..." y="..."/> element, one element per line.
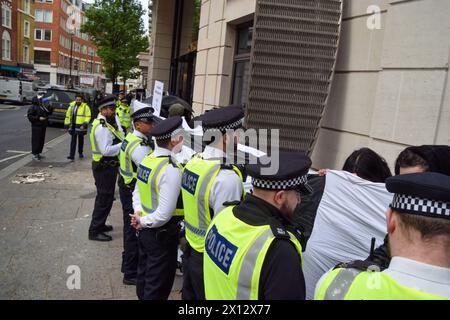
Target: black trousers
<point x="73" y="143"/>
<point x="105" y="181"/>
<point x="193" y="285"/>
<point x="157" y="263"/>
<point x="37" y="139"/>
<point x="130" y="240"/>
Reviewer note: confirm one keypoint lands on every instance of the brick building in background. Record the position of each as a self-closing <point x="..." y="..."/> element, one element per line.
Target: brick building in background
<point x="53" y="43"/>
<point x="25" y="38"/>
<point x="8" y="34"/>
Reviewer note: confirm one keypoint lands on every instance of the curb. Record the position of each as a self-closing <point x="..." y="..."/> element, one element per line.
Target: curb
<point x="28" y="158"/>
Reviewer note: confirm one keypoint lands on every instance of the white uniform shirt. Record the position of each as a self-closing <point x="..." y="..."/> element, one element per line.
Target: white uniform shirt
<point x="416" y="275"/>
<point x="227" y="185"/>
<point x="169" y="189"/>
<point x="184" y="155"/>
<point x="105" y="138"/>
<point x="140" y="151"/>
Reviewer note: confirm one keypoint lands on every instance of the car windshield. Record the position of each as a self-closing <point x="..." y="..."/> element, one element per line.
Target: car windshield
<point x="60" y="96"/>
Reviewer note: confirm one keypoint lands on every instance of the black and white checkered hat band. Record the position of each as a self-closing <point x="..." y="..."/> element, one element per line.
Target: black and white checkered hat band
<point x="233" y="125"/>
<point x="145" y="115"/>
<point x="279" y="185"/>
<point x="169" y="135"/>
<point x="421" y="206"/>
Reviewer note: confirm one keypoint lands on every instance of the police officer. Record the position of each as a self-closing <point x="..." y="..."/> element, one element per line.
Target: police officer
<point x="253" y="240"/>
<point x="78" y="116"/>
<point x="418" y="224"/>
<point x="158" y="189"/>
<point x="106" y="139"/>
<point x="123" y="113"/>
<point x="208" y="182"/>
<point x="134" y="148"/>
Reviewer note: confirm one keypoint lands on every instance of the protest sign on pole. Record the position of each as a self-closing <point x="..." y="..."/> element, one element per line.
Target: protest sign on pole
<point x="157" y="97"/>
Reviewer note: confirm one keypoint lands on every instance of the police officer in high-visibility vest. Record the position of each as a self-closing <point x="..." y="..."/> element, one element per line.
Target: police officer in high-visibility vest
<point x="78" y="116"/>
<point x="135" y="147"/>
<point x="123" y="113"/>
<point x="252" y="249"/>
<point x="157" y="200"/>
<point x="418" y="225"/>
<point x="106" y="139"/>
<point x="208" y="182"/>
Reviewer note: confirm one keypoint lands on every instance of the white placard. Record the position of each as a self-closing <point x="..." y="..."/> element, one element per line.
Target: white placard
<point x="157" y="97"/>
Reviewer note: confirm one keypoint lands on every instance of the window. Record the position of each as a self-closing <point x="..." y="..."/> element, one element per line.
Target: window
<point x="43" y="34"/>
<point x="241" y="75"/>
<point x="26" y="6"/>
<point x="6" y="45"/>
<point x="45" y="1"/>
<point x="41" y="57"/>
<point x="84" y="49"/>
<point x="62" y="23"/>
<point x="64" y="6"/>
<point x="6" y="16"/>
<point x="44" y="15"/>
<point x="26" y="29"/>
<point x="26" y="54"/>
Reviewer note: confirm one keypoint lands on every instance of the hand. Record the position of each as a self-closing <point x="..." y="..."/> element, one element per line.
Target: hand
<point x="42" y="118"/>
<point x="322" y="172"/>
<point x="135" y="220"/>
<point x="81" y="127"/>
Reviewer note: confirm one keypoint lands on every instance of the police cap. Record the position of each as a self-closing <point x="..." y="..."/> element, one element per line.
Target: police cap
<point x="143" y="114"/>
<point x="292" y="172"/>
<point x="426" y="193"/>
<point x="107" y="102"/>
<point x="166" y="128"/>
<point x="223" y="118"/>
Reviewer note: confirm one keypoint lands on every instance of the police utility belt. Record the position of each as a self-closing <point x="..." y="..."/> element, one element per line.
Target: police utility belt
<point x="107" y="162"/>
<point x="165" y="232"/>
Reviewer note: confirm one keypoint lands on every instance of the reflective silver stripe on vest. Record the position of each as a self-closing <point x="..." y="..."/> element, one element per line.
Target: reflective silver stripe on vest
<point x="147" y="210"/>
<point x="197" y="231"/>
<point x="248" y="266"/>
<point x="201" y="199"/>
<point x="128" y="168"/>
<point x="340" y="285"/>
<point x="153" y="188"/>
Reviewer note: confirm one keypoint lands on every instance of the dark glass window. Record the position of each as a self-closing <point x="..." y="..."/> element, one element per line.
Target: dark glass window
<point x="41" y="57"/>
<point x="241" y="70"/>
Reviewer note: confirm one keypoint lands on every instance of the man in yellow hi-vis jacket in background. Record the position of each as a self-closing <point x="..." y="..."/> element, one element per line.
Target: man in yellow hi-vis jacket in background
<point x="78" y="116"/>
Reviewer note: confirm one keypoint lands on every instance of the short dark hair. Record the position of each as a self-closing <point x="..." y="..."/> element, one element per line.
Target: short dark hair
<point x="407" y="158"/>
<point x="367" y="164"/>
<point x="163" y="143"/>
<point x="79" y="95"/>
<point x="428" y="227"/>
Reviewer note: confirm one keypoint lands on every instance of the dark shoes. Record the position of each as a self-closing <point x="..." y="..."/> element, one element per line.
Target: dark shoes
<point x="107" y="228"/>
<point x="70" y="158"/>
<point x="129" y="281"/>
<point x="81" y="156"/>
<point x="100" y="237"/>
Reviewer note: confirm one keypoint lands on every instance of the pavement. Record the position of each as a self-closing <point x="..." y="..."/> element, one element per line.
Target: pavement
<point x="44" y="248"/>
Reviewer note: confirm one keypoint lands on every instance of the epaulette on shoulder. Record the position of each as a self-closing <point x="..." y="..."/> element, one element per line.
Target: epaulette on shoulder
<point x="279" y="231"/>
<point x="362" y="265"/>
<point x="231" y="203"/>
<point x="103" y="122"/>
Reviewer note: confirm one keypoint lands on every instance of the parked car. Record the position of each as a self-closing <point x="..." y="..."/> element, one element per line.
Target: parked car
<point x="16" y="90"/>
<point x="59" y="100"/>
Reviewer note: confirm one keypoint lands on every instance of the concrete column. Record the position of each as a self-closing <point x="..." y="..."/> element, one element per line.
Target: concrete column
<point x="161" y="42"/>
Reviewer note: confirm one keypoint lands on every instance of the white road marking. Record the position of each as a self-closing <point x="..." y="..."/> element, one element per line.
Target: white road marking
<point x="16" y="151"/>
<point x="13" y="157"/>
